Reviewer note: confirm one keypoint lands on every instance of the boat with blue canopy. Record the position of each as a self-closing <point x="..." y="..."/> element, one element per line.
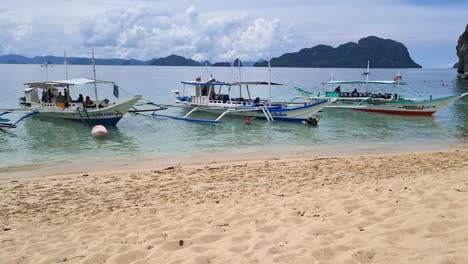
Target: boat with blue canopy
<point x="235" y="98"/>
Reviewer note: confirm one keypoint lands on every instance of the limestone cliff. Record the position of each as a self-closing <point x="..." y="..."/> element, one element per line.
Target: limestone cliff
<point x="462" y="53"/>
<point x="382" y="53"/>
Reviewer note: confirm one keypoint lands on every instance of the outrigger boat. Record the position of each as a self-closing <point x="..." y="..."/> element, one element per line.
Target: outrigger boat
<point x="377" y="102"/>
<point x="215" y="97"/>
<point x="99" y="112"/>
<point x="56" y="104"/>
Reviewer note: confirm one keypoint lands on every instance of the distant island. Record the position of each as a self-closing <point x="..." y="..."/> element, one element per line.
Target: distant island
<point x="173" y="60"/>
<point x="221" y="64"/>
<point x="382" y="53"/>
<point x="18" y="59"/>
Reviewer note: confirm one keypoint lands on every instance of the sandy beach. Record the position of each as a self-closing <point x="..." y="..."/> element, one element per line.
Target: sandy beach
<point x="392" y="208"/>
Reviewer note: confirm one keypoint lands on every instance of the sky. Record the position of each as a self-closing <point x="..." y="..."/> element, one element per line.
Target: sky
<point x="219" y="30"/>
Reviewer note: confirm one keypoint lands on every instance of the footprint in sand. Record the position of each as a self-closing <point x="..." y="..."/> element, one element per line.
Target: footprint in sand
<point x="129" y="256"/>
<point x="172" y="245"/>
<point x="324" y="253"/>
<point x="365" y="255"/>
<point x="95" y="258"/>
<point x="204" y="260"/>
<point x="267" y="229"/>
<point x="442" y="226"/>
<point x="294" y="258"/>
<point x="239" y="248"/>
<point x="210" y="238"/>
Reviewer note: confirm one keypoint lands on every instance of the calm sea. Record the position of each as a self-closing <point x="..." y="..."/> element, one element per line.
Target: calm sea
<point x="38" y="141"/>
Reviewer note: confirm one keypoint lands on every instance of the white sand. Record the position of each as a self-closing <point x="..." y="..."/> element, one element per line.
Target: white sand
<point x="399" y="208"/>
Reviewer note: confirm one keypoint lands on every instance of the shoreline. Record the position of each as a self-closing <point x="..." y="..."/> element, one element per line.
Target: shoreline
<point x="202" y="158"/>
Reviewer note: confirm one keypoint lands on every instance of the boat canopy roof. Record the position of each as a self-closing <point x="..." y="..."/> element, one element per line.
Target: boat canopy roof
<point x="63" y="83"/>
<point x="366" y="82"/>
<point x="255" y="83"/>
<point x="228" y="83"/>
<point x="205" y="83"/>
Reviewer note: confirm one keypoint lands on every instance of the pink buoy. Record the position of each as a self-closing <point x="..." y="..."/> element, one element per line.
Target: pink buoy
<point x="99" y="131"/>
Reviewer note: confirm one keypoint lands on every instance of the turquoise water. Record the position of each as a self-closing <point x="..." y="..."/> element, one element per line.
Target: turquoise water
<point x="39" y="141"/>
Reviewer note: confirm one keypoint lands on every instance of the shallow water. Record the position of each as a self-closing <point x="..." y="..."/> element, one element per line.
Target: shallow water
<point x="39" y="141"/>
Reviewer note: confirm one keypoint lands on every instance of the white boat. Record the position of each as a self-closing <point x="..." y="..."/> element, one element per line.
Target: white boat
<point x="388" y="103"/>
<point x="55" y="102"/>
<point x="99" y="112"/>
<point x="380" y="103"/>
<point x="217" y="97"/>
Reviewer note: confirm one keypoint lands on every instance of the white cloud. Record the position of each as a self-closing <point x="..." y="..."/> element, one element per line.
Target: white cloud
<point x="142" y="32"/>
<point x="257" y="40"/>
<point x="220" y="30"/>
<point x="192" y="14"/>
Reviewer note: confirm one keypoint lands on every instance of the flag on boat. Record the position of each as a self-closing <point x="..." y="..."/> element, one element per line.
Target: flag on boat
<point x="397" y="78"/>
<point x="116" y="90"/>
<point x="365" y="73"/>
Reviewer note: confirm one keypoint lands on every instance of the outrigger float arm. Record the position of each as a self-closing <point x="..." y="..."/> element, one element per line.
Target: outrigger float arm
<point x="135" y="110"/>
<point x="4" y="113"/>
<point x="9" y="125"/>
<point x="264" y="109"/>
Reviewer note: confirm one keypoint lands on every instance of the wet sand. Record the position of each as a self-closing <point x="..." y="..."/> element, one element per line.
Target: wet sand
<point x="392" y="208"/>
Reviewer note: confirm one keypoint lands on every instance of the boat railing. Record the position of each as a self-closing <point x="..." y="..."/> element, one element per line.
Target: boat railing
<point x="53" y="105"/>
<point x="235" y="103"/>
<point x="199" y="99"/>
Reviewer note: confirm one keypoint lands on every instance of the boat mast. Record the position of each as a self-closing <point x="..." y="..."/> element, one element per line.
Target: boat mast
<point x="269" y="79"/>
<point x="66" y="75"/>
<point x="66" y="64"/>
<point x="240" y="76"/>
<point x="367" y="77"/>
<point x="46" y="68"/>
<point x="94" y="71"/>
<point x="398" y="85"/>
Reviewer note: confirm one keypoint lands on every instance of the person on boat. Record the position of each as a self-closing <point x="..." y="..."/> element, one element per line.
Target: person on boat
<point x="80" y="99"/>
<point x="213" y="95"/>
<point x="257" y="100"/>
<point x="67" y="97"/>
<point x="354" y="93"/>
<point x="88" y="102"/>
<point x="338" y="89"/>
<point x="104" y="103"/>
<point x="44" y="96"/>
<point x="60" y="98"/>
<point x="50" y="95"/>
<point x="204" y="91"/>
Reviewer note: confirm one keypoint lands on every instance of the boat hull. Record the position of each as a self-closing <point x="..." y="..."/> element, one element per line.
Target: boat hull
<point x="396" y="112"/>
<point x="288" y="114"/>
<point x="398" y="107"/>
<point x="110" y="115"/>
